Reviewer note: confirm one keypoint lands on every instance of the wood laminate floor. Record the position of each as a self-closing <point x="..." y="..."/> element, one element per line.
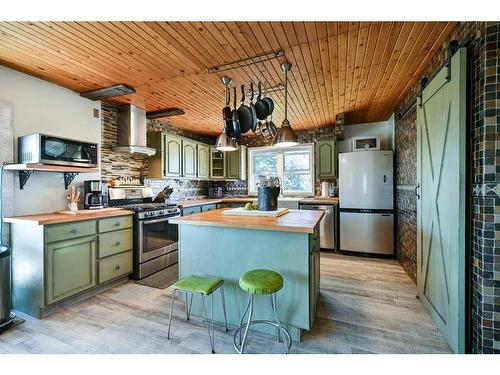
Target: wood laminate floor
<point x="366" y="306"/>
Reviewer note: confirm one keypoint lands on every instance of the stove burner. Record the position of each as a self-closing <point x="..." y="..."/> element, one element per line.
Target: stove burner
<point x="148" y="206"/>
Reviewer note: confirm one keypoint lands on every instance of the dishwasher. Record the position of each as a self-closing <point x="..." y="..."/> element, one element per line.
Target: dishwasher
<point x="327" y="225"/>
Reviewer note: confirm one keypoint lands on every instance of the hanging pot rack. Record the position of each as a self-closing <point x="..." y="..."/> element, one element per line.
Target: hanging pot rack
<point x="247" y="61"/>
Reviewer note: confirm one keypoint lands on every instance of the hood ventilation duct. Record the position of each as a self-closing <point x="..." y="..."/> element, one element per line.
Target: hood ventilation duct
<point x="131" y="129"/>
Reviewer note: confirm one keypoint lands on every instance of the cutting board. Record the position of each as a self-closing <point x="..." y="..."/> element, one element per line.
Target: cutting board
<point x="240" y="211"/>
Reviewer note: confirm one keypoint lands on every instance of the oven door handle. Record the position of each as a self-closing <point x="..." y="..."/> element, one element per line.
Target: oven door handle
<point x="147" y="221"/>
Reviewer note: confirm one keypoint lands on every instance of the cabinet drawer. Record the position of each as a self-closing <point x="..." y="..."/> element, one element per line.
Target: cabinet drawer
<point x="209" y="207"/>
<point x="115" y="223"/>
<point x="115" y="242"/>
<point x="61" y="232"/>
<point x="114" y="266"/>
<point x="191" y="210"/>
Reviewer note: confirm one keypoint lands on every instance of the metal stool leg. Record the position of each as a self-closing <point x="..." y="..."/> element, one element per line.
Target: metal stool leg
<point x="171" y="310"/>
<point x="243" y="317"/>
<point x="278" y="331"/>
<point x="188" y="306"/>
<point x="248" y="323"/>
<point x="206" y="323"/>
<point x="278" y="322"/>
<point x="223" y="305"/>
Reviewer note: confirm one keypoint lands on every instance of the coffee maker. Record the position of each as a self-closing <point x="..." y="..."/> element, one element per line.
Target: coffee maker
<point x="95" y="194"/>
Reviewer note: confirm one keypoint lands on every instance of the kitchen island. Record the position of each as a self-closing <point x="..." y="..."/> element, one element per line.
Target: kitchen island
<point x="216" y="245"/>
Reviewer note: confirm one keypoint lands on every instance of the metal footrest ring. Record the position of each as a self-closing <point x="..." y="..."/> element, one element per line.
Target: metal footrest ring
<point x="237" y="346"/>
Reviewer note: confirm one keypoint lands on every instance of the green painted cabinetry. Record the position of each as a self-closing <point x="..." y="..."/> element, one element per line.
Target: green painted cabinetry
<point x="70" y="268"/>
<point x="236" y="164"/>
<point x="172" y="155"/>
<point x="326" y="158"/>
<point x="189" y="159"/>
<point x="67" y="260"/>
<point x="217" y="164"/>
<point x="203" y="161"/>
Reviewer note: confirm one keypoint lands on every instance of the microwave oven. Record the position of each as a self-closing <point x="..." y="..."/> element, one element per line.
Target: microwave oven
<point x="366" y="143"/>
<point x="47" y="149"/>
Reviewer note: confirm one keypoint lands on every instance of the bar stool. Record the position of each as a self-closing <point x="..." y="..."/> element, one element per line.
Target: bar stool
<point x="204" y="287"/>
<point x="260" y="282"/>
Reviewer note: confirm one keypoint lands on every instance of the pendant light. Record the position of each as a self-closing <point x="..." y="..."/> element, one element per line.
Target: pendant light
<point x="286" y="137"/>
<point x="224" y="143"/>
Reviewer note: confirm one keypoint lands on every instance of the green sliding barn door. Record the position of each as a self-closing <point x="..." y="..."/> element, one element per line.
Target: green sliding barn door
<point x="441" y="207"/>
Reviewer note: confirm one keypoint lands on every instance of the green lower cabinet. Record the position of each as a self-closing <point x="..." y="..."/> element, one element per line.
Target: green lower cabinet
<point x="115" y="266"/>
<point x="115" y="242"/>
<point x="70" y="268"/>
<point x="208" y="207"/>
<point x="191" y="210"/>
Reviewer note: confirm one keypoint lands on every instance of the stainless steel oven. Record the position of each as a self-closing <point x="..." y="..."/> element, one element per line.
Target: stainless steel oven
<point x="156" y="243"/>
<point x="157" y="237"/>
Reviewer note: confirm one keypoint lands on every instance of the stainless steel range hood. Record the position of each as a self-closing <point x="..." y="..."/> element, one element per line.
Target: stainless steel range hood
<point x="131" y="129"/>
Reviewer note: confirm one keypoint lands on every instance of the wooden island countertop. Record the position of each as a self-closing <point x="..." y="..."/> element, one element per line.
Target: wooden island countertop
<point x="294" y="221"/>
<point x="58" y="218"/>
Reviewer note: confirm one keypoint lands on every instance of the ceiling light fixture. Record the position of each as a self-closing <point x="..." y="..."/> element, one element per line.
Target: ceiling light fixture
<point x="225" y="143"/>
<point x="286" y="136"/>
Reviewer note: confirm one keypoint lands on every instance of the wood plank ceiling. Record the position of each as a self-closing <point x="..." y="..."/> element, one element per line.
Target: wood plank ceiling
<point x="359" y="68"/>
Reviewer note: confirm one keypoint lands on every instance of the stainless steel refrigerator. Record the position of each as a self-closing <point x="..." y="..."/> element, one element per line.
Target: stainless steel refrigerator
<point x="366" y="202"/>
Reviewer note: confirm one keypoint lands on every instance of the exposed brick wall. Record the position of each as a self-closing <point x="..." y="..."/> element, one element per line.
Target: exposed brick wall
<point x="484" y="58"/>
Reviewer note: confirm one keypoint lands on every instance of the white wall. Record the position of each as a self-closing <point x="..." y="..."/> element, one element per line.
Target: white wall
<point x="384" y="129"/>
<point x="41" y="107"/>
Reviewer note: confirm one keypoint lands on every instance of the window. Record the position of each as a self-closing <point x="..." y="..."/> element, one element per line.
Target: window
<point x="293" y="165"/>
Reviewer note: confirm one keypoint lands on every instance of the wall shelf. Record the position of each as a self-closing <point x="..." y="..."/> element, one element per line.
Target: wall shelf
<point x="26" y="170"/>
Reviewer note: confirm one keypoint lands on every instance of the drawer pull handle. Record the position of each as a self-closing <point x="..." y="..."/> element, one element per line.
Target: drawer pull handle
<point x="117" y="268"/>
<point x="73" y="231"/>
<point x="117" y="243"/>
<point x="116" y="224"/>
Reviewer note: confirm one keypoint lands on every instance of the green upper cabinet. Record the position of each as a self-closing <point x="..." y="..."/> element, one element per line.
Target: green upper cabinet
<point x="326" y="158"/>
<point x="167" y="162"/>
<point x="189" y="158"/>
<point x="236" y="163"/>
<point x="203" y="161"/>
<point x="173" y="155"/>
<point x="217" y="163"/>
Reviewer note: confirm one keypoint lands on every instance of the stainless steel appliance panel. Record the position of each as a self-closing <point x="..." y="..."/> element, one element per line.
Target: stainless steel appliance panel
<point x="366" y="180"/>
<point x="367" y="232"/>
<point x="327" y="224"/>
<point x="156" y="237"/>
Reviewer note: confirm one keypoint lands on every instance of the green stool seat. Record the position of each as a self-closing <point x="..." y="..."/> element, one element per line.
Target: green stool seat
<point x="198" y="284"/>
<point x="261" y="282"/>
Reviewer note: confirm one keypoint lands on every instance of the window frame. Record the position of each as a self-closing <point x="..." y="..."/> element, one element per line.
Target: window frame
<point x="280" y="166"/>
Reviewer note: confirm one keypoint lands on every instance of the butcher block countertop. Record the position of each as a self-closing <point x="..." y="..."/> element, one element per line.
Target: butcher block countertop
<point x="320" y="200"/>
<point x="200" y="202"/>
<point x="295" y="221"/>
<point x="58" y="218"/>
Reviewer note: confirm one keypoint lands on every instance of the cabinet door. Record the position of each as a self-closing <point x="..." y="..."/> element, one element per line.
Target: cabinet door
<point x="208" y="207"/>
<point x="326" y="158"/>
<point x="217" y="163"/>
<point x="173" y="156"/>
<point x="70" y="268"/>
<point x="191" y="210"/>
<point x="233" y="164"/>
<point x="189" y="159"/>
<point x="203" y="161"/>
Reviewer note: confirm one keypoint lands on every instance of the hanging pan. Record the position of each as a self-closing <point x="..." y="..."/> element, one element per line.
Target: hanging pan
<point x="244" y="113"/>
<point x="236" y="130"/>
<point x="270" y="105"/>
<point x="261" y="106"/>
<point x="226" y="111"/>
<point x="252" y="110"/>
